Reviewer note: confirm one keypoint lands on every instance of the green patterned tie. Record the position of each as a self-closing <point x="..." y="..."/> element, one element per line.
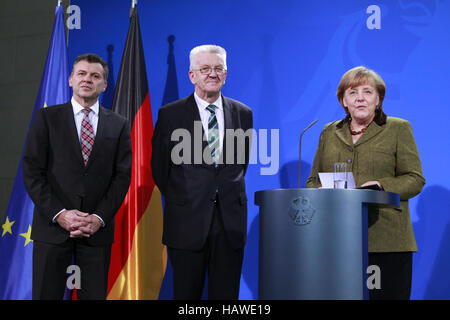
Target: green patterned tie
<point x="213" y="133"/>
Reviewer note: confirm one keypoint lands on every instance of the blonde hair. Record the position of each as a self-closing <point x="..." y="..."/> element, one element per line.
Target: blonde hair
<point x="360" y="76"/>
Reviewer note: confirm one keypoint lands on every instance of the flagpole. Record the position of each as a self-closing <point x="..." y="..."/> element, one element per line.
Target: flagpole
<point x="131" y="253"/>
<point x="67" y="35"/>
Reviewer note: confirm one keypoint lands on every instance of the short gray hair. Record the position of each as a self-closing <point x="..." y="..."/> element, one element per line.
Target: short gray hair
<point x="207" y="48"/>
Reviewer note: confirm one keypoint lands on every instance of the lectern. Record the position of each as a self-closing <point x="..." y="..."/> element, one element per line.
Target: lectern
<point x="313" y="242"/>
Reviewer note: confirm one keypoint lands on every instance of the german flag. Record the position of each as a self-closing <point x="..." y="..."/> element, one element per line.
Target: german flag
<point x="138" y="258"/>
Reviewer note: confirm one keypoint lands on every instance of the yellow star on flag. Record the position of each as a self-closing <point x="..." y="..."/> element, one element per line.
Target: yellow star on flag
<point x="27" y="236"/>
<point x="7" y="226"/>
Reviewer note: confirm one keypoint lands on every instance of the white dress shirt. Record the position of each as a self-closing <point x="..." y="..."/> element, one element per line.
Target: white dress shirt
<point x="204" y="116"/>
<point x="79" y="115"/>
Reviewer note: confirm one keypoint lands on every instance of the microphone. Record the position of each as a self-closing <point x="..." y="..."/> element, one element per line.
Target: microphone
<point x="300" y="151"/>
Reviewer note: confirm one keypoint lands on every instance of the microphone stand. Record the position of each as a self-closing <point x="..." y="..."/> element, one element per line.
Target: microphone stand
<point x="300" y="151"/>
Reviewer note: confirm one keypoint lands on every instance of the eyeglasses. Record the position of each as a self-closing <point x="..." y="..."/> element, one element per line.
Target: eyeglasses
<point x="208" y="70"/>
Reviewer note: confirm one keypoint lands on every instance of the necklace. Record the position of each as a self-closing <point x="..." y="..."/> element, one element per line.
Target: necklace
<point x="354" y="133"/>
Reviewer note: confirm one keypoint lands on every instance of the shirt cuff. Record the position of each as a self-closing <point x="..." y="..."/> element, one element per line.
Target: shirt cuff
<point x="101" y="220"/>
<point x="56" y="216"/>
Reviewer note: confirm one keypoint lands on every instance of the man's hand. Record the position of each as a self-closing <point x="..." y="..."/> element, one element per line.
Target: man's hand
<point x="79" y="224"/>
<point x="68" y="218"/>
<point x="85" y="228"/>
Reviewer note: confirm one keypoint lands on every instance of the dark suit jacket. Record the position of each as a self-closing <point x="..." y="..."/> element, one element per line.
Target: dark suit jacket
<point x="56" y="178"/>
<point x="189" y="188"/>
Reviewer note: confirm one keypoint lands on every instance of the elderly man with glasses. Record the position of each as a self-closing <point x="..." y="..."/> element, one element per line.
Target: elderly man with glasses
<point x="205" y="214"/>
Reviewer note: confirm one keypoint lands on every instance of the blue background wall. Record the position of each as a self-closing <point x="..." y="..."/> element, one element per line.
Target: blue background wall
<point x="285" y="59"/>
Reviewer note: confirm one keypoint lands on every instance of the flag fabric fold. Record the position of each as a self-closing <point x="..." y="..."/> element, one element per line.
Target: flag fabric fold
<point x="138" y="258"/>
<point x="16" y="246"/>
<point x="170" y="94"/>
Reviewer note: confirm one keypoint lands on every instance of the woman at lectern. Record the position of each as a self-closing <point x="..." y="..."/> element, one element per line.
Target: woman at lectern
<point x="380" y="151"/>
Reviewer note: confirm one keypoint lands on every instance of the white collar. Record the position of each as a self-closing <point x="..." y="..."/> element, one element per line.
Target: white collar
<point x="78" y="107"/>
<point x="202" y="104"/>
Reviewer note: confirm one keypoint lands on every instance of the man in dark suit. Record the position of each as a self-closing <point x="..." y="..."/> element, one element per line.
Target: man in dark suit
<point x="77" y="170"/>
<point x="205" y="215"/>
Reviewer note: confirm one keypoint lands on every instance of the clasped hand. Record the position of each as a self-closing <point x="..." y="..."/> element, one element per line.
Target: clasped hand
<point x="79" y="224"/>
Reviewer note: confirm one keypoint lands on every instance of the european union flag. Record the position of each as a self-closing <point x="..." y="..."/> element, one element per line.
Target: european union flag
<point x="16" y="246"/>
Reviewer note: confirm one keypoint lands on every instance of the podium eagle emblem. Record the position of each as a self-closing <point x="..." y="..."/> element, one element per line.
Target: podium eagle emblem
<point x="301" y="211"/>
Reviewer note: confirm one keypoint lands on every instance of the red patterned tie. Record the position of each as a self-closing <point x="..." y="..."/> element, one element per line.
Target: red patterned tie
<point x="87" y="136"/>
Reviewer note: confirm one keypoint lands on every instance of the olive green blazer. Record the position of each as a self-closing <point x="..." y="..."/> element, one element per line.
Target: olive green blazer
<point x="387" y="153"/>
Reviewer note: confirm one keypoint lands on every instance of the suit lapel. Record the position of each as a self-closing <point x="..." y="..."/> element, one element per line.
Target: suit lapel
<point x="73" y="134"/>
<point x="373" y="130"/>
<point x="228" y="118"/>
<point x="344" y="135"/>
<point x="191" y="116"/>
<point x="192" y="113"/>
